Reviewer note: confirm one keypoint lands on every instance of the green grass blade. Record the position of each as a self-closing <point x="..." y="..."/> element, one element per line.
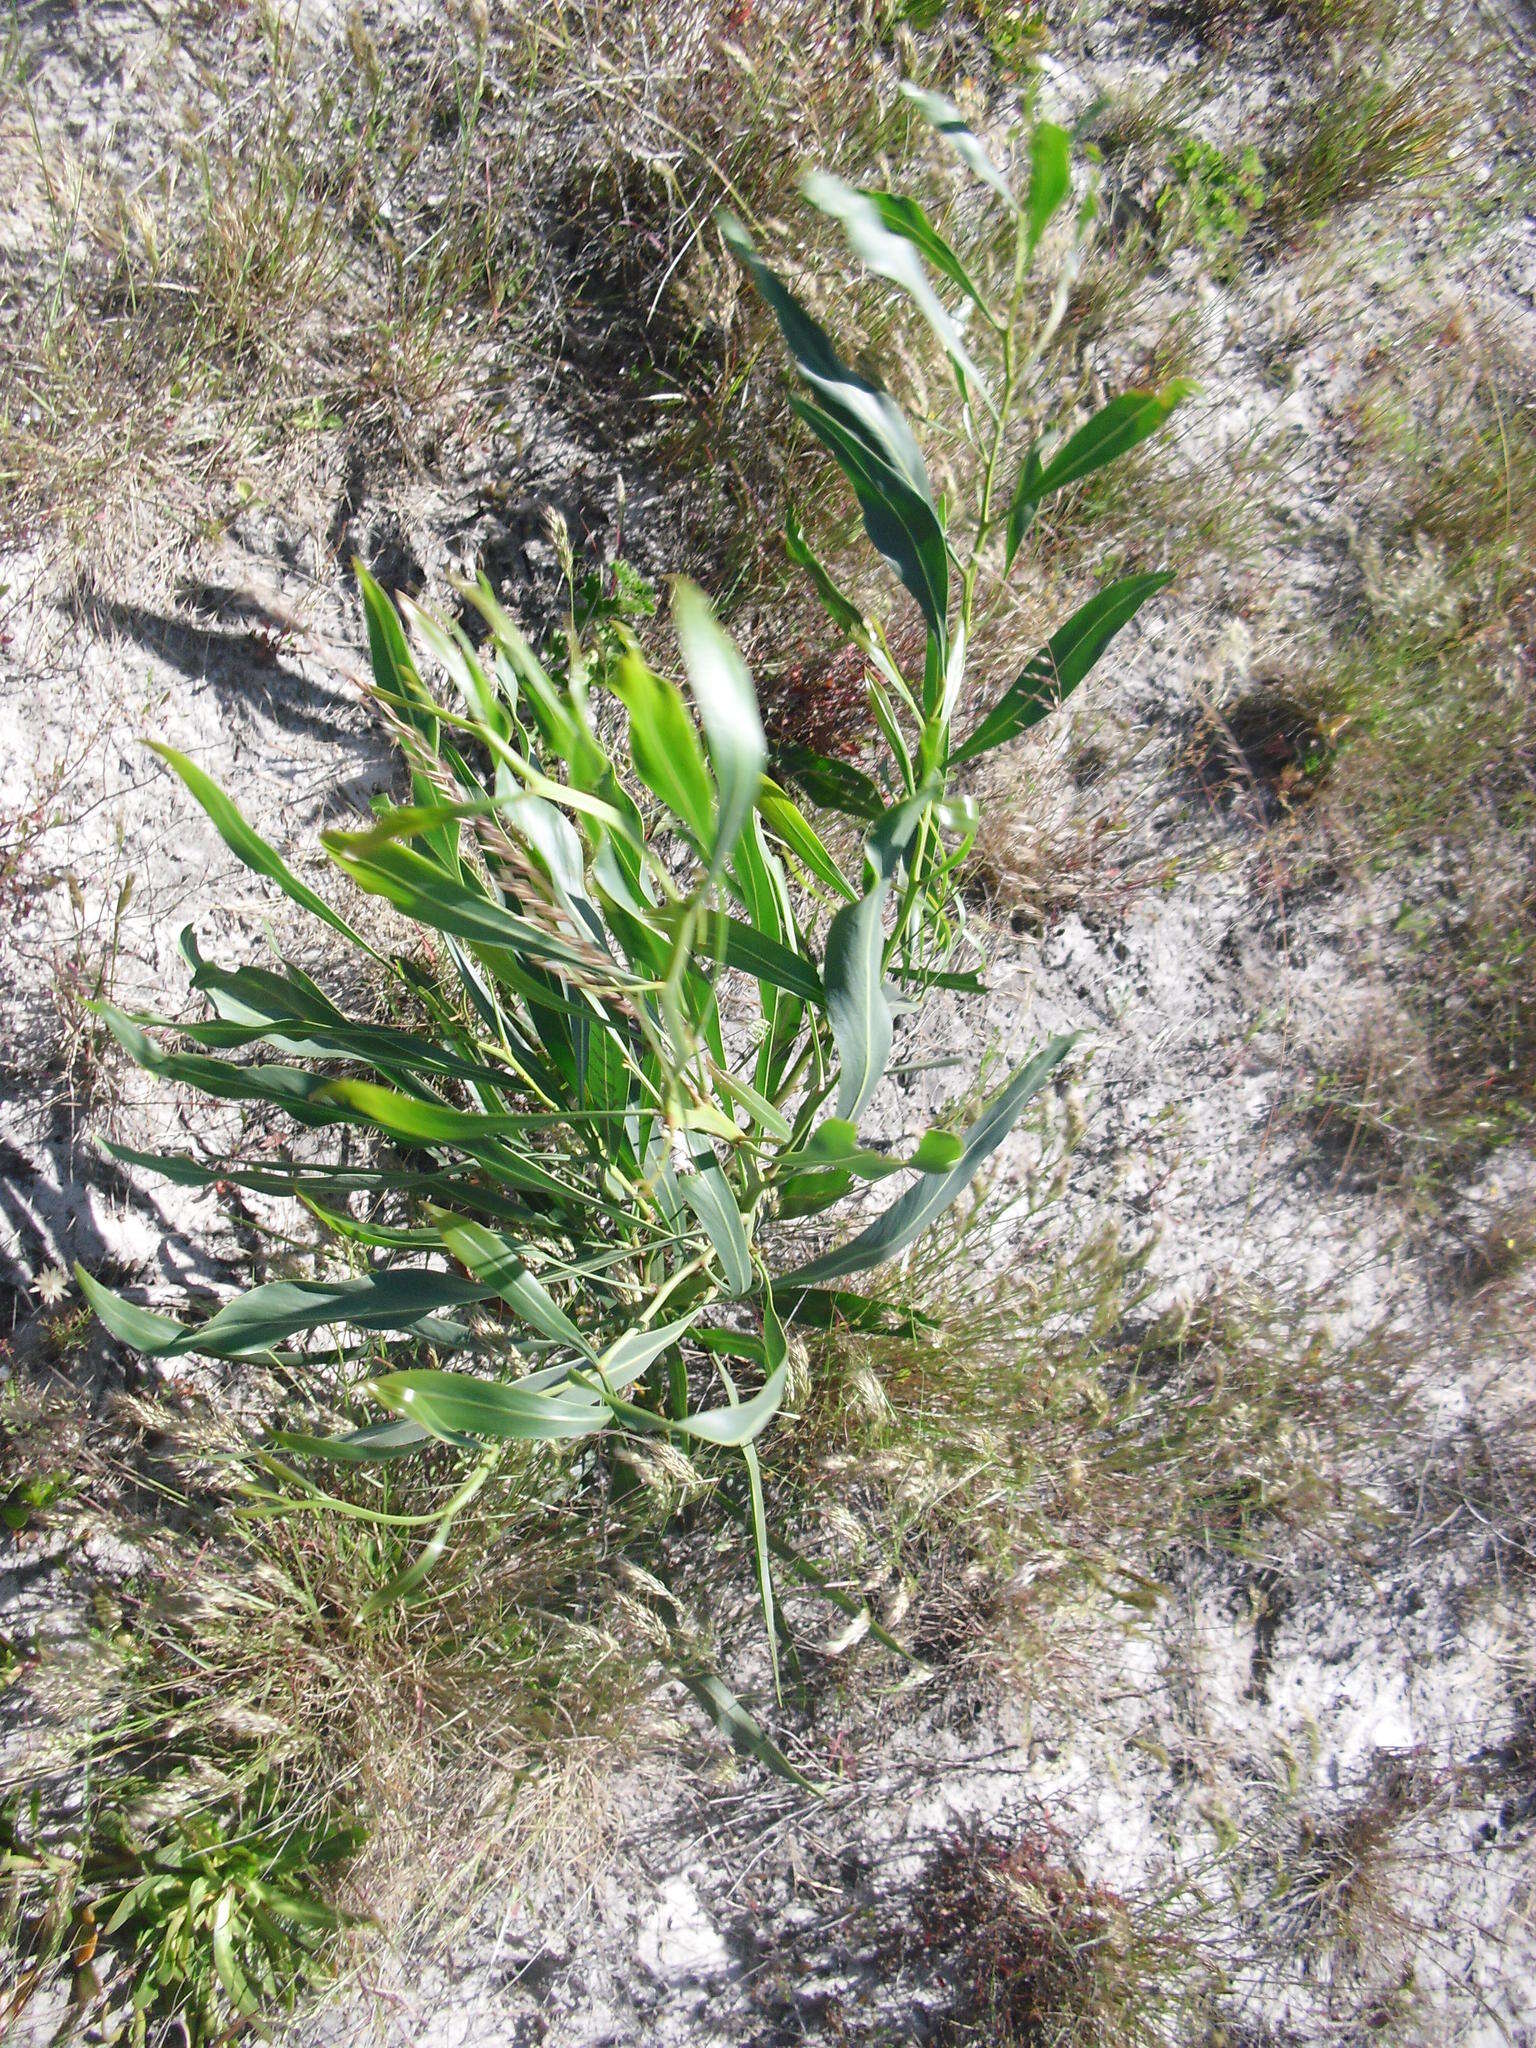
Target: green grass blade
<point x="857" y="1009"/>
<point x="628" y="1356"/>
<point x="494" y="1260"/>
<point x="734" y="944"/>
<point x="1116" y="428"/>
<point x="893" y="254"/>
<point x="740" y="1729"/>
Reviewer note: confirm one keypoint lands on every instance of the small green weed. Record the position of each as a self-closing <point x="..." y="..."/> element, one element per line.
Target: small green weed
<point x="1213" y="195"/>
<point x="191" y="1920"/>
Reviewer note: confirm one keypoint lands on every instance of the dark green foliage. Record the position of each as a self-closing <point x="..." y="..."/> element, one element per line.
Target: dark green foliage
<point x="564" y="1225"/>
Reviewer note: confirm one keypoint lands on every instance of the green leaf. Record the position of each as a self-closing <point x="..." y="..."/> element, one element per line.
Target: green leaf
<point x="399" y="1298"/>
<point x="140" y="1328"/>
<point x="739" y="1728"/>
<point x="841" y="610"/>
<point x="427" y="895"/>
<point x="900" y="519"/>
<point x="835" y="1142"/>
<point x="1113" y="431"/>
<point x="494" y="1260"/>
<point x="1062" y="663"/>
<point x="226" y="1967"/>
<point x="741" y="1421"/>
<point x="945" y="117"/>
<point x="664" y="745"/>
<point x="787" y="822"/>
<point x="405" y="1582"/>
<point x="857" y="1009"/>
<point x="394" y="670"/>
<point x="903" y="216"/>
<point x="1050" y="179"/>
<point x="723" y="691"/>
<point x="819" y="1308"/>
<point x="833" y="1147"/>
<point x="628" y="1356"/>
<point x="927" y="1200"/>
<point x="374" y="1443"/>
<point x="764" y="1115"/>
<point x="1022" y="506"/>
<point x="734" y="944"/>
<point x="249" y="847"/>
<point x="891" y="254"/>
<point x="451" y="1405"/>
<point x="708" y="1194"/>
<point x="834" y="785"/>
<point x="760" y="884"/>
<point x="867" y="436"/>
<point x="453" y="649"/>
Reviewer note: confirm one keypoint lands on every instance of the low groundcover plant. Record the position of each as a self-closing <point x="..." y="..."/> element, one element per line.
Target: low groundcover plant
<point x="640" y="1015"/>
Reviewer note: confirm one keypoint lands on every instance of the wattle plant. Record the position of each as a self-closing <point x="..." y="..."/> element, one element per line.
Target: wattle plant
<point x="640" y="1008"/>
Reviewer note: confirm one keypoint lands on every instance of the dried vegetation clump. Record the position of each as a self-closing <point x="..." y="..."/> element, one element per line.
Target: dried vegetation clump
<point x="1037" y="1956"/>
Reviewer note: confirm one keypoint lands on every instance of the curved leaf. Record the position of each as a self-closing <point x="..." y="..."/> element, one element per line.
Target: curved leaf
<point x="788" y="823"/>
<point x="1050" y="179"/>
<point x="734" y="944"/>
<point x="912" y="1212"/>
<point x="864" y="430"/>
<point x="903" y="216"/>
<point x="739" y="1728"/>
<point x="708" y="1194"/>
<point x="853" y="968"/>
<point x="1062" y="663"/>
<point x="664" y="745"/>
<point x="452" y="1405"/>
<point x="945" y="117"/>
<point x="399" y="1298"/>
<point x="493" y="1259"/>
<point x="723" y="691"/>
<point x="1124" y="423"/>
<point x="891" y="255"/>
<point x="1113" y="431"/>
<point x="248" y="846"/>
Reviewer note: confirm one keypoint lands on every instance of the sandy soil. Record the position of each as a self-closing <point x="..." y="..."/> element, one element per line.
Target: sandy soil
<point x="1186" y="1752"/>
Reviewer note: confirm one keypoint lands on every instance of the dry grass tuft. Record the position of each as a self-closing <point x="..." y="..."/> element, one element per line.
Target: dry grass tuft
<point x="1434" y="776"/>
<point x="1039" y="1957"/>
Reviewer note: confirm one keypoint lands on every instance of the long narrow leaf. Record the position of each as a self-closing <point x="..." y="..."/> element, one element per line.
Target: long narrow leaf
<point x="856" y="1003"/>
<point x="923" y="1203"/>
<point x="722" y="689"/>
<point x="945" y="118"/>
<point x="249" y="847"/>
<point x="867" y="435"/>
<point x="893" y="255"/>
<point x="1062" y="663"/>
